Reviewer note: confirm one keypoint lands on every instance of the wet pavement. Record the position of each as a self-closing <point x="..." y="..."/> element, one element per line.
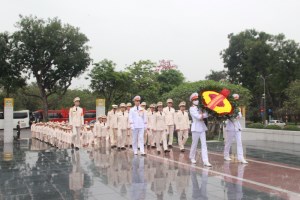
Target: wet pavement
<point x="37" y="171"/>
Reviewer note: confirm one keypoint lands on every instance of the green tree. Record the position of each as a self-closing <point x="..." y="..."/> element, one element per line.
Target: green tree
<point x="110" y="84"/>
<point x="144" y="80"/>
<point x="292" y="103"/>
<point x="10" y="75"/>
<point x="216" y="75"/>
<point x="54" y="53"/>
<point x="168" y="79"/>
<point x="252" y="54"/>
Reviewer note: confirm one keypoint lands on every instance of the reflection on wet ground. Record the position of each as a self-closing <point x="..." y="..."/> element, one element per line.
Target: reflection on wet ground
<point x="37" y="171"/>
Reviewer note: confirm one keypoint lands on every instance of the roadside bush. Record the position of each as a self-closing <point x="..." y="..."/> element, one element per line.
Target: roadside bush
<point x="291" y="128"/>
<point x="256" y="125"/>
<point x="275" y="127"/>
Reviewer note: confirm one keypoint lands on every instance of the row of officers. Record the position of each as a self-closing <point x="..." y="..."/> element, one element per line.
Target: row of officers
<point x="135" y="126"/>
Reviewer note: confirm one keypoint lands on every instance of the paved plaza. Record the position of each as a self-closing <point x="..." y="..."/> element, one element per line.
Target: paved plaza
<point x="38" y="171"/>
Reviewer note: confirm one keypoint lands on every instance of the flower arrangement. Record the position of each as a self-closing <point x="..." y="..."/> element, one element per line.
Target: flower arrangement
<point x="219" y="105"/>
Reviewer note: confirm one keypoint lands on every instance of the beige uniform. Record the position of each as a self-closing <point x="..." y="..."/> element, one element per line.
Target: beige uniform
<point x="123" y="124"/>
<point x="112" y="120"/>
<point x="76" y="120"/>
<point x="182" y="124"/>
<point x="170" y="113"/>
<point x="160" y="127"/>
<point x="150" y="127"/>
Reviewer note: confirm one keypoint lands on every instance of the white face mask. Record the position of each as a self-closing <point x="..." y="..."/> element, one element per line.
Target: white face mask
<point x="196" y="102"/>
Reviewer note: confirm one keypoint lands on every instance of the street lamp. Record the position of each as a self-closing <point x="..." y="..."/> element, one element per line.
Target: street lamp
<point x="264" y="95"/>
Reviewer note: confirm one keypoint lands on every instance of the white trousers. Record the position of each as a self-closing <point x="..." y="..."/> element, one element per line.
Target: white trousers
<point x="138" y="139"/>
<point x="182" y="138"/>
<point x="76" y="137"/>
<point x="113" y="136"/>
<point x="230" y="135"/>
<point x="170" y="131"/>
<point x="122" y="134"/>
<point x="161" y="135"/>
<point x="195" y="138"/>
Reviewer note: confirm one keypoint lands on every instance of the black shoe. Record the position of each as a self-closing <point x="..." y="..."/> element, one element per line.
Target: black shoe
<point x="167" y="151"/>
<point x="123" y="148"/>
<point x="153" y="147"/>
<point x="170" y="146"/>
<point x="143" y="154"/>
<point x="182" y="150"/>
<point x="119" y="148"/>
<point x="76" y="148"/>
<point x="158" y="152"/>
<point x="126" y="145"/>
<point x="72" y="146"/>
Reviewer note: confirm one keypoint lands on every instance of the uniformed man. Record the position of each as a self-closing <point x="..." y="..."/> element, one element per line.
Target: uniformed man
<point x="150" y="125"/>
<point x="123" y="124"/>
<point x="233" y="130"/>
<point x="198" y="131"/>
<point x="170" y="113"/>
<point x="160" y="128"/>
<point x="112" y="120"/>
<point x="138" y="122"/>
<point x="76" y="121"/>
<point x="182" y="124"/>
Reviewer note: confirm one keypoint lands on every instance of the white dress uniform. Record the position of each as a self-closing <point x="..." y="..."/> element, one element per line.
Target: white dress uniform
<point x="198" y="131"/>
<point x="138" y="121"/>
<point x="123" y="123"/>
<point x="112" y="120"/>
<point x="182" y="124"/>
<point x="76" y="120"/>
<point x="233" y="130"/>
<point x="170" y="113"/>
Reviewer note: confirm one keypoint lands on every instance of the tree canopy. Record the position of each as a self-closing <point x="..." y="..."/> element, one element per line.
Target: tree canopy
<point x="110" y="84"/>
<point x="252" y="54"/>
<point x="52" y="52"/>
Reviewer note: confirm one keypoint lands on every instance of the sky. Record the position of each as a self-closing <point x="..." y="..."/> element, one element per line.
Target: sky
<point x="191" y="33"/>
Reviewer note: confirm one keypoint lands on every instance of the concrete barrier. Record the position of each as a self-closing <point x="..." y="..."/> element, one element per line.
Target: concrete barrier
<point x="271" y="135"/>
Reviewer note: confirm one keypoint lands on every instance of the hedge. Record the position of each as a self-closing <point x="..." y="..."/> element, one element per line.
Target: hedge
<point x="291" y="128"/>
<point x="256" y="125"/>
<point x="276" y="127"/>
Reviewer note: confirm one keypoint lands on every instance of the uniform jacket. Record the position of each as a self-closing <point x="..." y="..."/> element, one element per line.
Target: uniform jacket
<point x="138" y="117"/>
<point x="160" y="121"/>
<point x="122" y="119"/>
<point x="170" y="113"/>
<point x="76" y="116"/>
<point x="112" y="119"/>
<point x="182" y="121"/>
<point x="197" y="115"/>
<point x="234" y="123"/>
<point x="151" y="117"/>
